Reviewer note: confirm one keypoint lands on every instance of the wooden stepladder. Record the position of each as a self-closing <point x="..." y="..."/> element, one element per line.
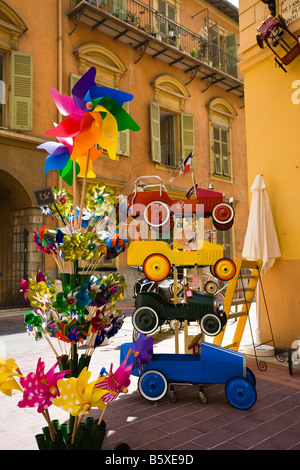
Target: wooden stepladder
<point x="244" y="284"/>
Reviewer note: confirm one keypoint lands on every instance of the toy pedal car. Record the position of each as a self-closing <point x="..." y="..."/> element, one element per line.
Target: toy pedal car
<point x="152" y="310"/>
<point x="157" y="257"/>
<point x="157" y="208"/>
<point x="214" y="365"/>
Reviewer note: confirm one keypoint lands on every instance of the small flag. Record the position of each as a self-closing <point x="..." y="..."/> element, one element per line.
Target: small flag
<point x="187" y="163"/>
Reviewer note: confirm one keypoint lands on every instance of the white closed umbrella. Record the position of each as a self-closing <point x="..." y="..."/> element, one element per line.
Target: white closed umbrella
<point x="261" y="240"/>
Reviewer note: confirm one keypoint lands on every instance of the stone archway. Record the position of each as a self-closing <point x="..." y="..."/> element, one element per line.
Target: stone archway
<point x="19" y="255"/>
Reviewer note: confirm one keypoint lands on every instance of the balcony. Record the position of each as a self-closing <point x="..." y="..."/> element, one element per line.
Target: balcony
<point x="148" y="31"/>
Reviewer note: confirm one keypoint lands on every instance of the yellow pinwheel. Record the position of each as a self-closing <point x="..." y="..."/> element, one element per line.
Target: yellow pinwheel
<point x="7" y="382"/>
<point x="77" y="396"/>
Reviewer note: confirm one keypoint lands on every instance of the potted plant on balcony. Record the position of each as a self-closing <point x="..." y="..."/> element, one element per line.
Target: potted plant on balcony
<point x="203" y="45"/>
<point x="104" y="6"/>
<point x="131" y="18"/>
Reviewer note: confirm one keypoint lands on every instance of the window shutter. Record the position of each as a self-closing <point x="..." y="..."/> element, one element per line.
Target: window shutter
<point x="21" y="91"/>
<point x="188" y="137"/>
<point x="155" y="132"/>
<point x="225" y="156"/>
<point x="231" y="55"/>
<point x="214" y="44"/>
<point x="123" y="137"/>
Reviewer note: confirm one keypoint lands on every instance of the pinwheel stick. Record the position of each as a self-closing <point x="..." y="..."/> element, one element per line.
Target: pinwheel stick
<point x="103" y="413"/>
<point x="83" y="189"/>
<point x="74" y="189"/>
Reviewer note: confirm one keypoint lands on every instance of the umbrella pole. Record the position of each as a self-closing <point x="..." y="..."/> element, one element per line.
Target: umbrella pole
<point x="258" y="330"/>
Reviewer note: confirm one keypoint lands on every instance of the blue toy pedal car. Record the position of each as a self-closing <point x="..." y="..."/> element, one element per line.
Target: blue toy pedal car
<point x="214" y="365"/>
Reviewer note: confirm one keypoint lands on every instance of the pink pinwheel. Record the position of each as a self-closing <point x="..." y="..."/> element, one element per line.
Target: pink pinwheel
<point x="117" y="381"/>
<point x="39" y="388"/>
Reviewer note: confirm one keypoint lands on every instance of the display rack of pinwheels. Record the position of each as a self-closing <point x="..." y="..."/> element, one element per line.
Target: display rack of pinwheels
<point x="84" y="309"/>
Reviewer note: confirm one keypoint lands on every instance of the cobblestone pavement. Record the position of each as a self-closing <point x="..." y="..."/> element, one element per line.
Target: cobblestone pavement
<point x="273" y="423"/>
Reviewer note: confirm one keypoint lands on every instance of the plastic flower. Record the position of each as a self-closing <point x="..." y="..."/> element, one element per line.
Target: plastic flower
<point x="39" y="388"/>
<point x="77" y="396"/>
<point x="7" y="382"/>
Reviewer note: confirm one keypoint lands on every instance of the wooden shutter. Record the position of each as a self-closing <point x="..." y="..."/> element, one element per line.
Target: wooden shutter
<point x="188" y="137"/>
<point x="123" y="137"/>
<point x="221" y="151"/>
<point x="231" y="55"/>
<point x="214" y="45"/>
<point x="21" y="91"/>
<point x="155" y="132"/>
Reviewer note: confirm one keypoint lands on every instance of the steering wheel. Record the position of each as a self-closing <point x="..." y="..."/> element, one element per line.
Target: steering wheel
<point x="190" y="192"/>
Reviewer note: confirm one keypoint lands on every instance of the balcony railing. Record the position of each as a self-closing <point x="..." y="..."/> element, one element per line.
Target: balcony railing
<point x="198" y="45"/>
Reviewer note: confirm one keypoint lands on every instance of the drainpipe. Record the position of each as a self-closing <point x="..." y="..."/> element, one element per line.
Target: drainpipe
<point x="59" y="50"/>
<point x="59" y="62"/>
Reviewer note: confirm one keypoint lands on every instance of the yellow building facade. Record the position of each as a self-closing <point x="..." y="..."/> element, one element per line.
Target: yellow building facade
<point x="178" y="59"/>
<point x="272" y="107"/>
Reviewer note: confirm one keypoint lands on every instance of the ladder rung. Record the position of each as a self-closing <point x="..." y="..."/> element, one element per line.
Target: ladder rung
<point x="246" y="289"/>
<point x="240" y="301"/>
<point x="237" y="315"/>
<point x="249" y="276"/>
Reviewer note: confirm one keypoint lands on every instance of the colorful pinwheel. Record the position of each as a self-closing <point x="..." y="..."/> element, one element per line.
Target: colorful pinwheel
<point x="77" y="396"/>
<point x="94" y="115"/>
<point x="40" y="388"/>
<point x="72" y="332"/>
<point x="7" y="382"/>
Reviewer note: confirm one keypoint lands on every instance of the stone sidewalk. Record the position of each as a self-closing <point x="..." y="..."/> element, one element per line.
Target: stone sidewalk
<point x="273" y="423"/>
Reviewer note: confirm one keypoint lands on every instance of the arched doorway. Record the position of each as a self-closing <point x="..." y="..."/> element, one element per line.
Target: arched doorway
<point x="18" y="251"/>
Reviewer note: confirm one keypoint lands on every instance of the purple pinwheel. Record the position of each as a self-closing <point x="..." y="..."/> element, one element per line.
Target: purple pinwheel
<point x="144" y="346"/>
<point x="39" y="388"/>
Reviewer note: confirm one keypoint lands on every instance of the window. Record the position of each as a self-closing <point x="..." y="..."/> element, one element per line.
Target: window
<point x="221" y="115"/>
<point x="172" y="130"/>
<point x="221" y="151"/>
<point x="15" y="73"/>
<point x="223" y="49"/>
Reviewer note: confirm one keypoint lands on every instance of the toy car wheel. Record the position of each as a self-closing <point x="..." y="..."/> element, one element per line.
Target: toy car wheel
<point x="156" y="267"/>
<point x="250" y="376"/>
<point x="223" y="227"/>
<point x="210" y="324"/>
<point x="135" y="334"/>
<point x="222" y="213"/>
<point x="145" y="320"/>
<point x="211" y="287"/>
<point x="225" y="269"/>
<point x="156" y="213"/>
<point x="240" y="392"/>
<point x="152" y="385"/>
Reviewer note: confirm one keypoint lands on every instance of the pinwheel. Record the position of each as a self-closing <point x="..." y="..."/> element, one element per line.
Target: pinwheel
<point x="7" y="374"/>
<point x="72" y="332"/>
<point x="33" y="324"/>
<point x="94" y="116"/>
<point x="78" y="396"/>
<point x="114" y="245"/>
<point x="144" y="347"/>
<point x="40" y="388"/>
<point x="45" y="240"/>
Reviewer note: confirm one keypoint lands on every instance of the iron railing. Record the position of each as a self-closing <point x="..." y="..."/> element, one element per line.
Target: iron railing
<point x="199" y="45"/>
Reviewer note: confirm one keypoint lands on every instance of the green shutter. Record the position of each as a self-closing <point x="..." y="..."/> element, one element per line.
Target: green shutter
<point x="221" y="151"/>
<point x="21" y="91"/>
<point x="214" y="45"/>
<point x="188" y="137"/>
<point x="123" y="137"/>
<point x="231" y="55"/>
<point x="155" y="132"/>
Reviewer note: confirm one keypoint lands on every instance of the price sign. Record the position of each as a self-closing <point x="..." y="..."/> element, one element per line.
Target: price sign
<point x="44" y="196"/>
